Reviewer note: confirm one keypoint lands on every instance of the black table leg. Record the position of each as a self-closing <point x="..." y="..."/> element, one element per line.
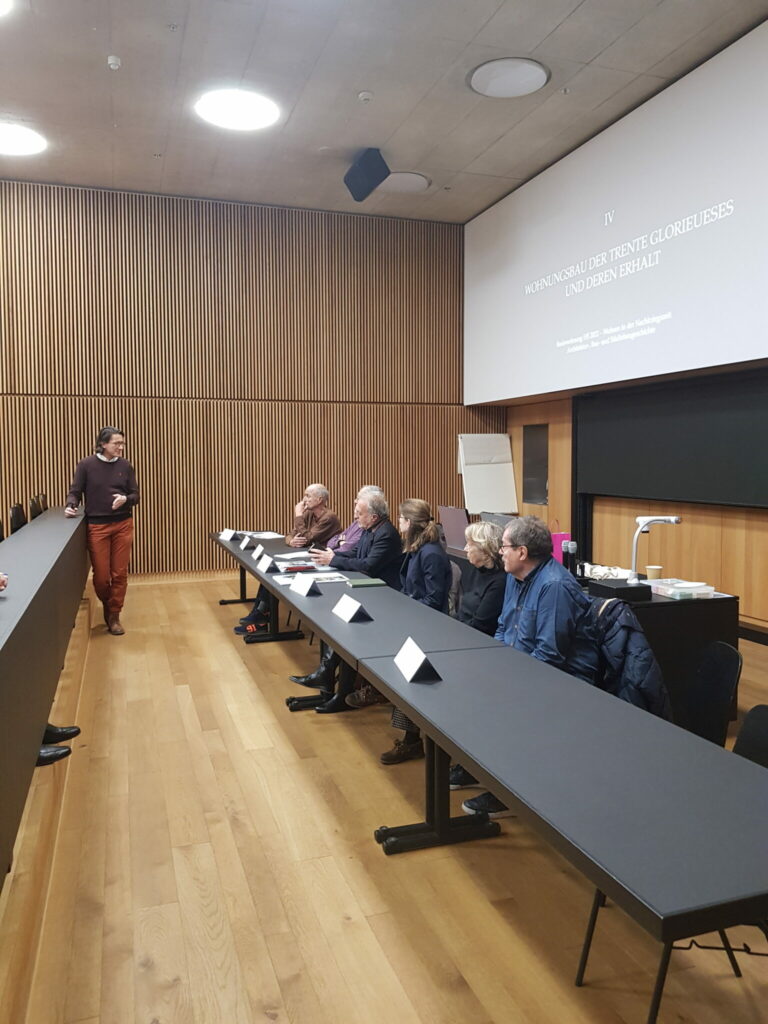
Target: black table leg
<point x="729" y="950"/>
<point x="243" y="598"/>
<point x="661" y="974"/>
<point x="273" y="632"/>
<point x="598" y="902"/>
<point x="439" y="828"/>
<point x="661" y="977"/>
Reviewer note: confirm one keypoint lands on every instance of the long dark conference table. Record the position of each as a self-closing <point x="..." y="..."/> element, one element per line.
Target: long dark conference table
<point x="669" y="826"/>
<point x="47" y="566"/>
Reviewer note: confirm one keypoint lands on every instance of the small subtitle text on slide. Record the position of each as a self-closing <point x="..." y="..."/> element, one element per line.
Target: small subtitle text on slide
<point x="629" y="330"/>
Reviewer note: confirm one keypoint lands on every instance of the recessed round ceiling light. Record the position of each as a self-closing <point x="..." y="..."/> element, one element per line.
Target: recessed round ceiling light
<point x="16" y="140"/>
<point x="508" y="77"/>
<point x="404" y="181"/>
<point x="5" y="6"/>
<point x="238" y="109"/>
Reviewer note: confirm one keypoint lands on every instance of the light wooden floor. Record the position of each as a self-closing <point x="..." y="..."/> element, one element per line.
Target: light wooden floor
<point x="215" y="863"/>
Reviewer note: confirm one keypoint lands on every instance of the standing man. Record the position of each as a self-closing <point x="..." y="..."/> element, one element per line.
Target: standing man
<point x="108" y="483"/>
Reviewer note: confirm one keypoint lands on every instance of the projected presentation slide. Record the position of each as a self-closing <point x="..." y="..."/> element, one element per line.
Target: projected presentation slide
<point x="641" y="253"/>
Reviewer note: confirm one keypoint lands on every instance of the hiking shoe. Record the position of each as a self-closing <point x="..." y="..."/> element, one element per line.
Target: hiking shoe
<point x="251" y="627"/>
<point x="459" y="778"/>
<point x="487" y="802"/>
<point x="365" y="697"/>
<point x="403" y="751"/>
<point x="254" y="617"/>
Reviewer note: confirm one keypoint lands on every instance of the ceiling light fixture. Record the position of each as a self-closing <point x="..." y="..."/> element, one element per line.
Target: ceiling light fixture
<point x="405" y="182"/>
<point x="237" y="109"/>
<point x="508" y="77"/>
<point x="5" y="7"/>
<point x="16" y="140"/>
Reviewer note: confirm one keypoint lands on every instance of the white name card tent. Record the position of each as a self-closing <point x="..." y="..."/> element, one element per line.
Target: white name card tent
<point x="257" y="552"/>
<point x="304" y="585"/>
<point x="247" y="542"/>
<point x="485" y="464"/>
<point x="226" y="535"/>
<point x="414" y="664"/>
<point x="350" y="610"/>
<point x="267" y="564"/>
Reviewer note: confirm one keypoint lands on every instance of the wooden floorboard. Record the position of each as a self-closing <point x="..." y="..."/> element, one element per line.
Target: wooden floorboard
<point x="215" y="863"/>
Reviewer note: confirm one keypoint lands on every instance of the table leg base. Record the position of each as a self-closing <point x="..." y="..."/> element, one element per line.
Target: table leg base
<point x="269" y="638"/>
<point x="236" y="600"/>
<point x="307" y="703"/>
<point x="420" y="836"/>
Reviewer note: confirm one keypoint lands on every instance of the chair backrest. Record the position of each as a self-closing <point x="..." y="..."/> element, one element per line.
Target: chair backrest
<point x="35" y="508"/>
<point x="454" y="522"/>
<point x="454" y="594"/>
<point x="43" y="499"/>
<point x="2" y="531"/>
<point x="710" y="697"/>
<point x="752" y="741"/>
<point x="18" y="518"/>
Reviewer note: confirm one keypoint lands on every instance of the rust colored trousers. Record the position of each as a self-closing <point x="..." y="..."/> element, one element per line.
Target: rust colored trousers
<point x="109" y="545"/>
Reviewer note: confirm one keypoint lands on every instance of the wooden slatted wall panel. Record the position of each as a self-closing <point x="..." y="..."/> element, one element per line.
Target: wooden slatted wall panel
<point x="123" y="294"/>
<point x="203" y="465"/>
<point x="246" y="351"/>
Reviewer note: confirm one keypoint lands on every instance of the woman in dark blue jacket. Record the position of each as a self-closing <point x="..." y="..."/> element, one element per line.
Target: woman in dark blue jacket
<point x="426" y="577"/>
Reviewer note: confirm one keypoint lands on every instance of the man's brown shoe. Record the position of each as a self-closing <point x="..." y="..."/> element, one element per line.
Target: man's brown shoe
<point x="115" y="627"/>
<point x="365" y="697"/>
<point x="403" y="751"/>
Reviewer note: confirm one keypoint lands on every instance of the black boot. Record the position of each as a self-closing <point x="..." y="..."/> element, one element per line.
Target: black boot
<point x="338" y="701"/>
<point x="50" y="755"/>
<point x="322" y="677"/>
<point x="60" y="733"/>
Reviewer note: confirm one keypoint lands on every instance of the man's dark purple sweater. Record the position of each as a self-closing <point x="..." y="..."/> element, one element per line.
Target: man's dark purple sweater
<point x="100" y="481"/>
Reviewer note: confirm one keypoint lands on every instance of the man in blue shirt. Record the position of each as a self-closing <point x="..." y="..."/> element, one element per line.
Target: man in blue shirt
<point x="545" y="613"/>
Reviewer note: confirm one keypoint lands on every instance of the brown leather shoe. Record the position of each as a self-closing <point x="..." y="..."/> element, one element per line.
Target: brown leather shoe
<point x="115" y="626"/>
<point x="365" y="697"/>
<point x="403" y="751"/>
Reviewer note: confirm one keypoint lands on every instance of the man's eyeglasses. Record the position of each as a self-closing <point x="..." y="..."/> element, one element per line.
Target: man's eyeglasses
<point x="510" y="546"/>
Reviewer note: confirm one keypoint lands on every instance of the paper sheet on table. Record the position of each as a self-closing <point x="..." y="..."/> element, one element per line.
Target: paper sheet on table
<point x="488" y="475"/>
<point x="286" y="578"/>
<point x="294" y="554"/>
<point x="265" y="534"/>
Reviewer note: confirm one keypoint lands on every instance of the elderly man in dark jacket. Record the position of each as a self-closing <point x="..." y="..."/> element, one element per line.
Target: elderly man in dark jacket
<point x="378" y="553"/>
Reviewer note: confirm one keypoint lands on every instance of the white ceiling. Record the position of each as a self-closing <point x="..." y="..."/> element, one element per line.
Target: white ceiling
<point x="135" y="129"/>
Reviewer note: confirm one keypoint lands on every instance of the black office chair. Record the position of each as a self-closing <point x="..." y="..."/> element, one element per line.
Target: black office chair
<point x="2" y="531"/>
<point x="18" y="519"/>
<point x="752" y="741"/>
<point x="710" y="696"/>
<point x="43" y="499"/>
<point x="35" y="509"/>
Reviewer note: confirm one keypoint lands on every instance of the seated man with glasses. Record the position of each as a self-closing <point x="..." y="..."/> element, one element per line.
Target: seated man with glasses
<point x="545" y="613"/>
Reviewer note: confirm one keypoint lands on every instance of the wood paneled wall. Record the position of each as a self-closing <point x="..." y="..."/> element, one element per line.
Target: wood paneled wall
<point x="246" y="351"/>
<point x="727" y="547"/>
<point x="557" y="415"/>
